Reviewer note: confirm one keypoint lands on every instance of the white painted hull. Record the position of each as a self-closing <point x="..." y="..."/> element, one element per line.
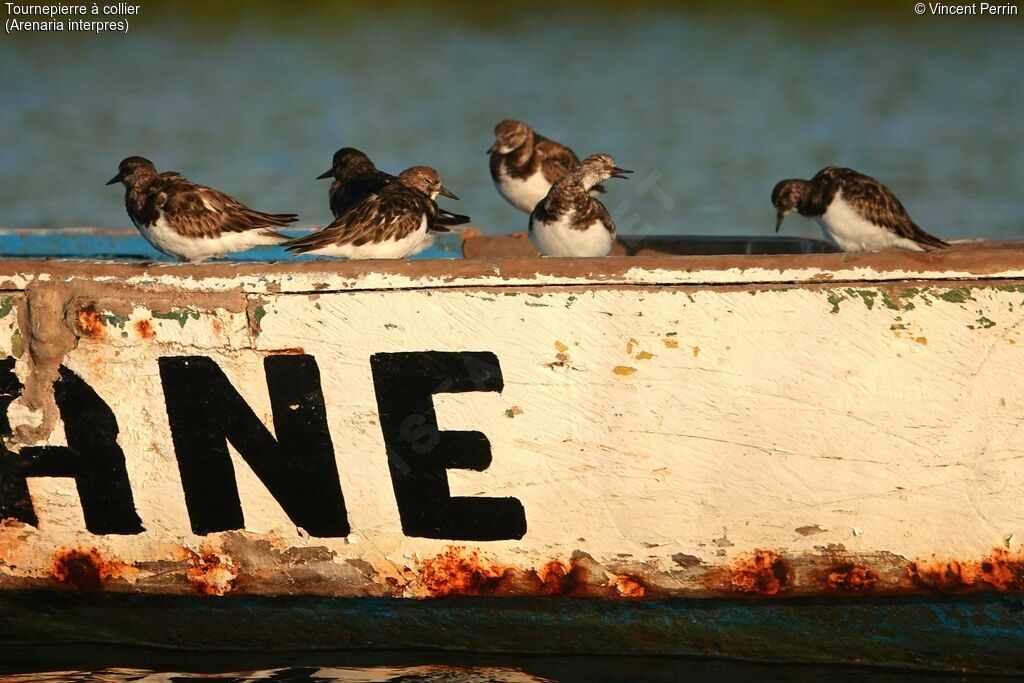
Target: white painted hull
<point x="640" y="434"/>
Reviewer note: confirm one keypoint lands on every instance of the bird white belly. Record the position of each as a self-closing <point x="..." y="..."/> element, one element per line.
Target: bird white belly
<point x="523" y="193"/>
<point x="196" y="249"/>
<point x="559" y="239"/>
<point x="844" y="227"/>
<point x="412" y="243"/>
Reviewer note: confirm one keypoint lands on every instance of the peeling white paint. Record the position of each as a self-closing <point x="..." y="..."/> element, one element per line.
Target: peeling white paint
<point x="635" y="424"/>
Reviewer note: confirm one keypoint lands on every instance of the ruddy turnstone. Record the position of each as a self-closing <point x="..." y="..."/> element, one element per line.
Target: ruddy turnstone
<point x="568" y="221"/>
<point x="391" y="223"/>
<point x="525" y="164"/>
<point x="855" y="211"/>
<point x="192" y="222"/>
<point x="356" y="178"/>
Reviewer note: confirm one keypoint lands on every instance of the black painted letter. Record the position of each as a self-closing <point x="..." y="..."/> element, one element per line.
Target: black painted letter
<point x="92" y="457"/>
<point x="419" y="454"/>
<point x="205" y="412"/>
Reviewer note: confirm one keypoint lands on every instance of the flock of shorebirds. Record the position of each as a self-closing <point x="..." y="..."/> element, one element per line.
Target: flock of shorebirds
<point x="378" y="215"/>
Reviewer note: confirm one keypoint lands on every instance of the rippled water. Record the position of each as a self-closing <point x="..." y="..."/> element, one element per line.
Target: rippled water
<point x="710" y="104"/>
<point x="83" y="664"/>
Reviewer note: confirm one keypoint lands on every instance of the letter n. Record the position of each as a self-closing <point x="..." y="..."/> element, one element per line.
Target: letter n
<point x="205" y="412"/>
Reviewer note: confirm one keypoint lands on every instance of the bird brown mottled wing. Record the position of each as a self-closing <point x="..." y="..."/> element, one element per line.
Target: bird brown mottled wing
<point x="396" y="212"/>
<point x="556" y="160"/>
<point x="604" y="216"/>
<point x="875" y="202"/>
<point x="345" y="194"/>
<point x="198" y="211"/>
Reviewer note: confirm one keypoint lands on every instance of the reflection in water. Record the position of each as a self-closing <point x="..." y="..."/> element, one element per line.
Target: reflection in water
<point x="89" y="664"/>
<point x="711" y="105"/>
<point x="432" y="674"/>
<point x="571" y="671"/>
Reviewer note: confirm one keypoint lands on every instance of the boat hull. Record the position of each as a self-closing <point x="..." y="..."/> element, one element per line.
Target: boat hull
<point x="813" y="457"/>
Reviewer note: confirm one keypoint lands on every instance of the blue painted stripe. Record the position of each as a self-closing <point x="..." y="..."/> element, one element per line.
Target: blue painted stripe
<point x="89" y="243"/>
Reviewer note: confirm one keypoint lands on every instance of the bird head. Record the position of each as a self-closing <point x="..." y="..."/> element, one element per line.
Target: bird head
<point x="347" y="161"/>
<point x="597" y="168"/>
<point x="786" y="197"/>
<point x="509" y="135"/>
<point x="133" y="170"/>
<point x="424" y="179"/>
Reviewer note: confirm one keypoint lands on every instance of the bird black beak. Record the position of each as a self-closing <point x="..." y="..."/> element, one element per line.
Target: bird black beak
<point x="446" y="192"/>
<point x="326" y="174"/>
<point x="493" y="148"/>
<point x="618" y="173"/>
<point x="115" y="179"/>
<point x="779" y="217"/>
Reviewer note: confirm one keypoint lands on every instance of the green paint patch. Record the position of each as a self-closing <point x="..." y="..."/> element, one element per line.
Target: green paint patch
<point x="897" y="326"/>
<point x="908" y="293"/>
<point x="17" y="344"/>
<point x="956" y="295"/>
<point x="835" y="298"/>
<point x="889" y="303"/>
<point x="183" y="314"/>
<point x="983" y="324"/>
<point x="316" y="306"/>
<point x="390" y="326"/>
<point x="118" y="321"/>
<point x="868" y="296"/>
<point x="903" y="299"/>
<point x="513" y="411"/>
<point x="6" y="306"/>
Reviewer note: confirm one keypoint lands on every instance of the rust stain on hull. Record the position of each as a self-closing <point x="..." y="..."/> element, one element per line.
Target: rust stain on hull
<point x="209" y="572"/>
<point x="559" y="578"/>
<point x="86" y="570"/>
<point x="851" y="578"/>
<point x="90" y="323"/>
<point x="1001" y="571"/>
<point x="762" y="572"/>
<point x="630" y="586"/>
<point x="144" y="328"/>
<point x="256" y="564"/>
<point x="460" y="571"/>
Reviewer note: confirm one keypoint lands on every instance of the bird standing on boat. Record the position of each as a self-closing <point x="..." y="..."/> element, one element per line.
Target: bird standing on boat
<point x="192" y="222"/>
<point x="394" y="222"/>
<point x="356" y="178"/>
<point x="855" y="211"/>
<point x="525" y="164"/>
<point x="568" y="221"/>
